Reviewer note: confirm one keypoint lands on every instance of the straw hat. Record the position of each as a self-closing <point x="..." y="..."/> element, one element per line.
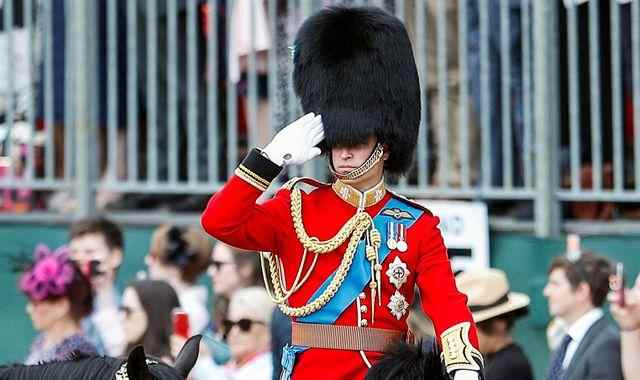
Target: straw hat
<point x="488" y="293"/>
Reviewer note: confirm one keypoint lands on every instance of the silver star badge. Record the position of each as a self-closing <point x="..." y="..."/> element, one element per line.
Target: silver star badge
<point x="398" y="305"/>
<point x="398" y="272"/>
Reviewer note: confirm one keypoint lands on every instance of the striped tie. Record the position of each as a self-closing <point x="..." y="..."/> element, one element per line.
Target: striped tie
<point x="555" y="369"/>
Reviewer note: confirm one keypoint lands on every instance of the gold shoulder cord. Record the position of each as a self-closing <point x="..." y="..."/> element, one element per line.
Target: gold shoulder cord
<point x="353" y="230"/>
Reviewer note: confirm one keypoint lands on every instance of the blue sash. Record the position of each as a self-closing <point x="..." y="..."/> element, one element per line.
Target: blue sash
<point x="358" y="276"/>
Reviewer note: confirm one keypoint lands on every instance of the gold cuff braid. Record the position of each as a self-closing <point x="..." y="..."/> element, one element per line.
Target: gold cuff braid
<point x="457" y="351"/>
<point x="251" y="177"/>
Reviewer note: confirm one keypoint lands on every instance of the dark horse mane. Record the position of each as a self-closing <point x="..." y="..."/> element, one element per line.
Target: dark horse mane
<point x="137" y="367"/>
<point x="403" y="361"/>
<point x="94" y="367"/>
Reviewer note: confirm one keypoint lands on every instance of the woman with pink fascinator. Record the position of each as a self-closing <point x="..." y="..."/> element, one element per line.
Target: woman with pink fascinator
<point x="59" y="296"/>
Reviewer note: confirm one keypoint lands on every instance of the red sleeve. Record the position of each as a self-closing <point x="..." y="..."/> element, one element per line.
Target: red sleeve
<point x="441" y="300"/>
<point x="232" y="214"/>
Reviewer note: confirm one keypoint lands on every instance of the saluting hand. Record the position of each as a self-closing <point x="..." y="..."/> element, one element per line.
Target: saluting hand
<point x="296" y="143"/>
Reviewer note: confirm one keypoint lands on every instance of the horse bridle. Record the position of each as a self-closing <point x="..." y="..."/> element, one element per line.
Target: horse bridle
<point x="122" y="374"/>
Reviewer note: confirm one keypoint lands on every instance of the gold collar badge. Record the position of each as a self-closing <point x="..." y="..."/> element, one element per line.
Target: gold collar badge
<point x="360" y="199"/>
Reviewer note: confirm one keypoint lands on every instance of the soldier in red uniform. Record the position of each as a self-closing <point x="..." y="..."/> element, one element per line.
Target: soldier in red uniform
<point x="343" y="259"/>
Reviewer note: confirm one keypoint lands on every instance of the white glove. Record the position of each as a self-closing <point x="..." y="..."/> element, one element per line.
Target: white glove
<point x="296" y="143"/>
<point x="464" y="374"/>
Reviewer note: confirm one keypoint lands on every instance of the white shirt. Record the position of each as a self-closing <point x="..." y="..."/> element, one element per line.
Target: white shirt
<point x="193" y="300"/>
<point x="258" y="368"/>
<point x="578" y="330"/>
<point x="107" y="319"/>
<point x="240" y="40"/>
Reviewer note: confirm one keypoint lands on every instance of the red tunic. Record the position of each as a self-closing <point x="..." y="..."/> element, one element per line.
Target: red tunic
<point x="234" y="217"/>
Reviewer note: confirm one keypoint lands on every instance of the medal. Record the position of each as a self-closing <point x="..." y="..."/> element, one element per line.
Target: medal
<point x="391" y="235"/>
<point x="398" y="305"/>
<point x="401" y="245"/>
<point x="397" y="272"/>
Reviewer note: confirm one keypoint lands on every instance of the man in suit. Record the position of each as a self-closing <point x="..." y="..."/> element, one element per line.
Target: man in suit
<point x="590" y="349"/>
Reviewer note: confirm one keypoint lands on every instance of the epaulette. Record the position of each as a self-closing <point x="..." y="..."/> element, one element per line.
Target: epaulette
<point x="307" y="184"/>
<point x="410" y="202"/>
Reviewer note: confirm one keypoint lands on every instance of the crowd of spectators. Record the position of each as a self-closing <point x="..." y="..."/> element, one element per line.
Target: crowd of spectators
<point x="76" y="307"/>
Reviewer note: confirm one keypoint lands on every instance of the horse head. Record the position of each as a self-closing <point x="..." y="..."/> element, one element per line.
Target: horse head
<point x="139" y="367"/>
<point x="136" y="367"/>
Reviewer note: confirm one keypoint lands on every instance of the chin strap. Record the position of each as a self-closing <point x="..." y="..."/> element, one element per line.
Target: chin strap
<point x="358" y="172"/>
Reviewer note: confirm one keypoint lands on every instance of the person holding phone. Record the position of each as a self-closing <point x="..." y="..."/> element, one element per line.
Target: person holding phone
<point x="179" y="256"/>
<point x="97" y="246"/>
<point x="627" y="315"/>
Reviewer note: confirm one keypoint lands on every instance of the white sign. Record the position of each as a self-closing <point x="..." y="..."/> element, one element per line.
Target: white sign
<point x="465" y="229"/>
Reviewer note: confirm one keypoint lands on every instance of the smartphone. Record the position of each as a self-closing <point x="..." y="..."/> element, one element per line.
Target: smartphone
<point x="620" y="284"/>
<point x="573" y="247"/>
<point x="181" y="323"/>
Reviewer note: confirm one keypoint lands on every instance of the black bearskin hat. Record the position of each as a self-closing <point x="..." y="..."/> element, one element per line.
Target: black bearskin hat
<point x="355" y="67"/>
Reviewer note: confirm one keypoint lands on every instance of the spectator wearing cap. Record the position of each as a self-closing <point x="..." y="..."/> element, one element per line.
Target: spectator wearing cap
<point x="576" y="291"/>
<point x="495" y="309"/>
<point x="179" y="256"/>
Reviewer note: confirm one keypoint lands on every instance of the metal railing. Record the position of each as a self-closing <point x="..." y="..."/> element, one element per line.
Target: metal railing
<point x="165" y="96"/>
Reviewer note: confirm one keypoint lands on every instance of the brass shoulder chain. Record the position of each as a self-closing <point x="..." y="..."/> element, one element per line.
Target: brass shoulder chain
<point x="354" y="229"/>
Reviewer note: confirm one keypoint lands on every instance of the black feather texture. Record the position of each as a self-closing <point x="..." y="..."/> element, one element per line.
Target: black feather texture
<point x="355" y="67"/>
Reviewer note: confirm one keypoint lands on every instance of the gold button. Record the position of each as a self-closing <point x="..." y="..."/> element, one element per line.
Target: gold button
<point x="363" y="308"/>
<point x="362" y="296"/>
<point x="363" y="322"/>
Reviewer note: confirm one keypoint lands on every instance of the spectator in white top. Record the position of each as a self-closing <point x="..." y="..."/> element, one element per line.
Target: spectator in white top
<point x="247" y="332"/>
<point x="180" y="256"/>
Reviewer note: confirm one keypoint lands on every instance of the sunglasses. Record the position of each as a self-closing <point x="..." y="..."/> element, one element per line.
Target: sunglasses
<point x="215" y="264"/>
<point x="243" y="324"/>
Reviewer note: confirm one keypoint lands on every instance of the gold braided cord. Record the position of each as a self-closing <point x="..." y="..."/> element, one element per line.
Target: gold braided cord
<point x="312" y="243"/>
<point x="353" y="230"/>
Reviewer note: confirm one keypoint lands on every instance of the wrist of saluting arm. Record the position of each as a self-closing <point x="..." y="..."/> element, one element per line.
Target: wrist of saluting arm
<point x="258" y="170"/>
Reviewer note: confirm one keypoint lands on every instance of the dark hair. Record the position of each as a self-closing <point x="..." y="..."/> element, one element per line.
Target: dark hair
<point x="592" y="269"/>
<point x="80" y="295"/>
<point x="158" y="299"/>
<point x="186" y="248"/>
<point x="488" y="326"/>
<point x="109" y="230"/>
<point x="403" y="361"/>
<point x="78" y="291"/>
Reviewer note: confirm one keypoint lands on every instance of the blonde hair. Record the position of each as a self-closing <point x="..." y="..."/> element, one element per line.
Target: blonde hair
<point x="254" y="301"/>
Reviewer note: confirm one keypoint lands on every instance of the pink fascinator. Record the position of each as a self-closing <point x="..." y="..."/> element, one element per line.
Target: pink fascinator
<point x="50" y="275"/>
